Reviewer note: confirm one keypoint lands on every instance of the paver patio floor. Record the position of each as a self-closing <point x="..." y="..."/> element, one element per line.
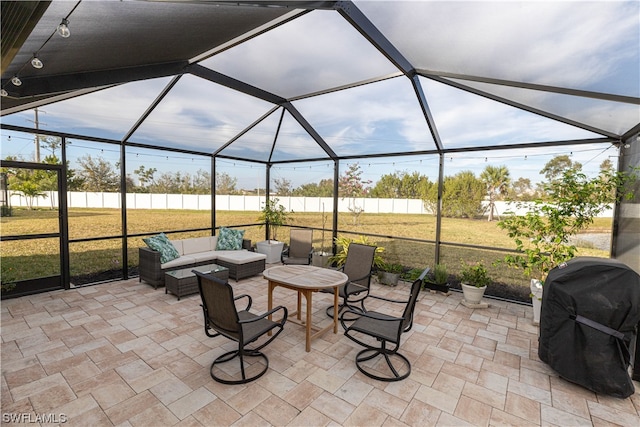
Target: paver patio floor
<point x="125" y="354"/>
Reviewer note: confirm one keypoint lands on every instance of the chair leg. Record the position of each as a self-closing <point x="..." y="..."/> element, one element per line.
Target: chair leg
<point x="399" y="370"/>
<point x="240" y="354"/>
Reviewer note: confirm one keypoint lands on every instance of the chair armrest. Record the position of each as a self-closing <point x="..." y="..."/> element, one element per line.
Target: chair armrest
<point x="268" y="313"/>
<point x="388" y="299"/>
<point x="248" y="297"/>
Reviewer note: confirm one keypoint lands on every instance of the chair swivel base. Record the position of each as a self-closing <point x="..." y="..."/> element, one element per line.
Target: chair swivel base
<point x="398" y="365"/>
<point x="236" y="354"/>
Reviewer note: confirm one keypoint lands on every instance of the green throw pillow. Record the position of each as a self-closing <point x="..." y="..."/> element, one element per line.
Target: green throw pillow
<point x="162" y="244"/>
<point x="229" y="239"/>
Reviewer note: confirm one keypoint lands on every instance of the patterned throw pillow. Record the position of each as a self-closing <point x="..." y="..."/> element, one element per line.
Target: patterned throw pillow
<point x="162" y="244"/>
<point x="229" y="239"/>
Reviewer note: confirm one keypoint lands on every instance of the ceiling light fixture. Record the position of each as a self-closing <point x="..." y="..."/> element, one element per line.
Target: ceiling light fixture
<point x="3" y="92"/>
<point x="36" y="62"/>
<point x="63" y="28"/>
<point x="16" y="81"/>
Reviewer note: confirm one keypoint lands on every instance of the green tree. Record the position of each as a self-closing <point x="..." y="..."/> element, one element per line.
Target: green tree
<point x="146" y="178"/>
<point x="497" y="181"/>
<point x="401" y="185"/>
<point x="462" y="195"/>
<point x="522" y="190"/>
<point x="202" y="182"/>
<point x="98" y="175"/>
<point x="351" y="186"/>
<point x="542" y="234"/>
<point x="555" y="168"/>
<point x="29" y="183"/>
<point x="324" y="188"/>
<point x="225" y="184"/>
<point x="282" y="186"/>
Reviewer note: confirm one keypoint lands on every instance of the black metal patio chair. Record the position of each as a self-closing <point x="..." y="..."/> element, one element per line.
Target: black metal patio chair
<point x="221" y="317"/>
<point x="380" y="334"/>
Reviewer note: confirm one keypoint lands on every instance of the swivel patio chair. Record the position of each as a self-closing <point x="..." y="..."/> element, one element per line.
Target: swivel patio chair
<point x="221" y="317"/>
<point x="357" y="267"/>
<point x="300" y="247"/>
<point x="376" y="331"/>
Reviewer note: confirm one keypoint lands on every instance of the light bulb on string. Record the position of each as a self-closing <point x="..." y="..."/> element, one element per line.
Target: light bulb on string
<point x="36" y="62"/>
<point x="63" y="28"/>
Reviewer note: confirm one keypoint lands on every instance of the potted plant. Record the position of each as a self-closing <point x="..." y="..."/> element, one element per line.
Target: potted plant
<point x="321" y="258"/>
<point x="389" y="273"/>
<point x="542" y="234"/>
<point x="343" y="243"/>
<point x="438" y="279"/>
<point x="274" y="216"/>
<point x="474" y="279"/>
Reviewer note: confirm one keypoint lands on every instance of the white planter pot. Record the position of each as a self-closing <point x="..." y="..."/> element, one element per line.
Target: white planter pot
<point x="536" y="299"/>
<point x="272" y="249"/>
<point x="320" y="259"/>
<point x="472" y="295"/>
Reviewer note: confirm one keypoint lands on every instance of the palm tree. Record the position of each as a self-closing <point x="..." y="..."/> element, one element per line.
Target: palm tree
<point x="497" y="180"/>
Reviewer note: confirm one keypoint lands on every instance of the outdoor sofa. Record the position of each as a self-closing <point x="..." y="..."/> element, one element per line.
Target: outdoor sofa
<point x="197" y="251"/>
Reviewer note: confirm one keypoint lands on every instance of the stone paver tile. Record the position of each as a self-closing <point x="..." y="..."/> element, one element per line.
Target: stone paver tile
<point x="447" y="419"/>
<point x="419" y="413"/>
<point x="82" y="372"/>
<point x="462" y="372"/>
<point x="217" y="413"/>
<point x="112" y="393"/>
<point x="571" y="403"/>
<point x="310" y="417"/>
<point x="133" y="370"/>
<point x="150" y="379"/>
<point x="276" y="411"/>
<point x="404" y="389"/>
<point x="529" y="391"/>
<point x="51" y="398"/>
<point x="553" y="416"/>
<point x="303" y="394"/>
<point x="354" y="391"/>
<point x="449" y="384"/>
<point x="326" y="380"/>
<point x="333" y="407"/>
<point x="484" y="395"/>
<point x="493" y="381"/>
<point x="191" y="402"/>
<point x="25" y="375"/>
<point x="501" y="418"/>
<point x="523" y="407"/>
<point x="390" y="404"/>
<point x="252" y="420"/>
<point x="38" y="386"/>
<point x="131" y="407"/>
<point x="96" y="382"/>
<point x="77" y="409"/>
<point x="473" y="411"/>
<point x="170" y="390"/>
<point x="611" y="415"/>
<point x="240" y="403"/>
<point x="437" y="399"/>
<point x="156" y="415"/>
<point x="366" y="415"/>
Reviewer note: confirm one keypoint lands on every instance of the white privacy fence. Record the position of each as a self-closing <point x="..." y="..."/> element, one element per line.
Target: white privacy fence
<point x="76" y="199"/>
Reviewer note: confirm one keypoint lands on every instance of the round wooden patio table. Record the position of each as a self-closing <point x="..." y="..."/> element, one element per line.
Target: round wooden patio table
<point x="306" y="280"/>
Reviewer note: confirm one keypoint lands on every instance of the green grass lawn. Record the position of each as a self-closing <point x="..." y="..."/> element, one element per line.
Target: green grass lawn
<point x="35" y="258"/>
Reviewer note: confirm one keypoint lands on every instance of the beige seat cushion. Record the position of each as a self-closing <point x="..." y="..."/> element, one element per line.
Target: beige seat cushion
<point x="240" y="257"/>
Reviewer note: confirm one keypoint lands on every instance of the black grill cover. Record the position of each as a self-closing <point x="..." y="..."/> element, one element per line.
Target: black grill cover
<point x="588" y="323"/>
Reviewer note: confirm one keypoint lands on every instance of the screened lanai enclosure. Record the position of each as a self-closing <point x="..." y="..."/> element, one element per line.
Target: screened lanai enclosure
<point x="342" y="110"/>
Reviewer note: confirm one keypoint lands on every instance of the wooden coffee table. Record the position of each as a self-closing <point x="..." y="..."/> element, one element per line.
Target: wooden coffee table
<point x="306" y="280"/>
<point x="184" y="282"/>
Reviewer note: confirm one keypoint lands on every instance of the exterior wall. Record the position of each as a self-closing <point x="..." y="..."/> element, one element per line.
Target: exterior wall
<point x="245" y="203"/>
